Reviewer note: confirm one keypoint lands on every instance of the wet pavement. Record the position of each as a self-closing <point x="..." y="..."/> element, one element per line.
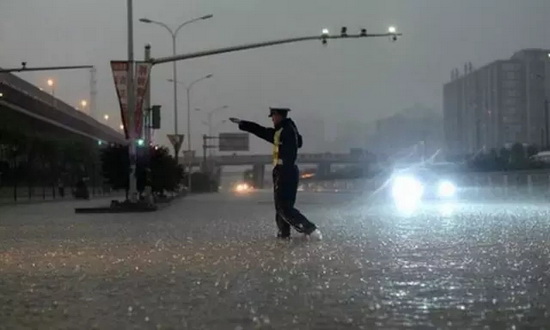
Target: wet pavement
<point x="211" y="262"/>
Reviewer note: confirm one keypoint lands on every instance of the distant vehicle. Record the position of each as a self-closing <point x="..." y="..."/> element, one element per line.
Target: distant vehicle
<point x="431" y="181"/>
<point x="543" y="156"/>
<point x="243" y="188"/>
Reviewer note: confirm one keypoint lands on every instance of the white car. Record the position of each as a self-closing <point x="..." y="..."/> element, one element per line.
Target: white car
<point x="422" y="183"/>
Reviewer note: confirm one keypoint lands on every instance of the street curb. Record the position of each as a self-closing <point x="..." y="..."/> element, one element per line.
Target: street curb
<point x="124" y="207"/>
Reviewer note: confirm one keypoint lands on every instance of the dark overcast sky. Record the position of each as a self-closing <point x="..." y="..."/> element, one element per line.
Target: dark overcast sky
<point x="360" y="80"/>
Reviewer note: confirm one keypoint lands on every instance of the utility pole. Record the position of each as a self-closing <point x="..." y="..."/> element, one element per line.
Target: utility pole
<point x="546" y="123"/>
<point x="147" y="127"/>
<point x="131" y="105"/>
<point x="147" y="102"/>
<point x="204" y="147"/>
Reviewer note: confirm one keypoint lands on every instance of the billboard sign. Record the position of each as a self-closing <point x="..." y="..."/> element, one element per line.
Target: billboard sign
<point x="234" y="142"/>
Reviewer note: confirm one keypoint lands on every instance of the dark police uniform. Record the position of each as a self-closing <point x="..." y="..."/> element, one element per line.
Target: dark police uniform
<point x="286" y="141"/>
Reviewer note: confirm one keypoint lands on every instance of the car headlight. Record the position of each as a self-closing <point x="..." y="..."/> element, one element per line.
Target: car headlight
<point x="243" y="187"/>
<point x="446" y="189"/>
<point x="407" y="189"/>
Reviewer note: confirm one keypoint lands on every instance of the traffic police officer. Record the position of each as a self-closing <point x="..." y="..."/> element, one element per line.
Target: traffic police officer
<point x="286" y="141"/>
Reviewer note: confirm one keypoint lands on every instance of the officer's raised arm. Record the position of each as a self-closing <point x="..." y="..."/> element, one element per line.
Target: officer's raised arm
<point x="262" y="132"/>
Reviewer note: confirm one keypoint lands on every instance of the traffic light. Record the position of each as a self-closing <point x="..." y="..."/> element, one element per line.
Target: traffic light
<point x="155" y="123"/>
<point x="140" y="142"/>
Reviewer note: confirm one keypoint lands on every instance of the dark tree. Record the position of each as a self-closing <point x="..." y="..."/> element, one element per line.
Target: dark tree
<point x="165" y="173"/>
<point x="160" y="170"/>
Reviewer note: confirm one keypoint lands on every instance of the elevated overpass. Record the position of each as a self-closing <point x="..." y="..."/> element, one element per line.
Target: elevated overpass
<point x="26" y="108"/>
<point x="324" y="161"/>
<point x="243" y="160"/>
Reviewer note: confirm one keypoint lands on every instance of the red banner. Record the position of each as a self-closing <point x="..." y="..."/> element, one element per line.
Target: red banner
<point x="120" y="75"/>
<point x="143" y="69"/>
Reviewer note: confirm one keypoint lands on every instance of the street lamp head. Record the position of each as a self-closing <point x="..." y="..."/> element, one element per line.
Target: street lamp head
<point x="106" y="117"/>
<point x="145" y="20"/>
<point x="170" y="80"/>
<point x="207" y="16"/>
<point x="392" y="29"/>
<point x="50" y="82"/>
<point x="209" y="76"/>
<point x="325" y="32"/>
<point x="84" y="103"/>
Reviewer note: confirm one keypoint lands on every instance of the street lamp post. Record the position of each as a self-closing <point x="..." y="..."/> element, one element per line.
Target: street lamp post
<point x="174" y="34"/>
<point x="188" y="91"/>
<point x="211" y="114"/>
<point x="190" y="160"/>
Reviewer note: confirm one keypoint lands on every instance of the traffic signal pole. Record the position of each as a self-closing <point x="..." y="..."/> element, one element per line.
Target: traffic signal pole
<point x="323" y="38"/>
<point x="24" y="68"/>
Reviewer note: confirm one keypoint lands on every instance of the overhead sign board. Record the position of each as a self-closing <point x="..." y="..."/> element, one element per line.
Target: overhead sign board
<point x="189" y="155"/>
<point x="234" y="142"/>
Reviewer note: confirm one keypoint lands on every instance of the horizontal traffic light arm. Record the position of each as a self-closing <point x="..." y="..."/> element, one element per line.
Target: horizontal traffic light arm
<point x="322" y="37"/>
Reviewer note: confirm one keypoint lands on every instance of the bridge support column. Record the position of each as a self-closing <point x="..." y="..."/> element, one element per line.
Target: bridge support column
<point x="323" y="170"/>
<point x="258" y="175"/>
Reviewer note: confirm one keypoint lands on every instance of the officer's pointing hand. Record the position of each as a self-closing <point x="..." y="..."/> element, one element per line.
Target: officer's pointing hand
<point x="235" y="120"/>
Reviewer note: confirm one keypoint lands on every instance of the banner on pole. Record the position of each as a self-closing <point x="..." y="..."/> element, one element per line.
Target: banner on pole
<point x="120" y="75"/>
<point x="143" y="69"/>
<point x="176" y="140"/>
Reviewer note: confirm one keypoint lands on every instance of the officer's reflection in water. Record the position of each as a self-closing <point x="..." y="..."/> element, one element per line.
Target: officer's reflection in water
<point x="286" y="141"/>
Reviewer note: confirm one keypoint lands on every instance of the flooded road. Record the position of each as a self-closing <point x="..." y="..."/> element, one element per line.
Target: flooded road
<point x="212" y="262"/>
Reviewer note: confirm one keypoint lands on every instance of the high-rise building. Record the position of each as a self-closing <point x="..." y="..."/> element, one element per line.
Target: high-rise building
<point x="497" y="105"/>
<point x="400" y="133"/>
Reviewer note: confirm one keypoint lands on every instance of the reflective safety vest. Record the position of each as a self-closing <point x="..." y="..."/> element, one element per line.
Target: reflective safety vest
<point x="276" y="145"/>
